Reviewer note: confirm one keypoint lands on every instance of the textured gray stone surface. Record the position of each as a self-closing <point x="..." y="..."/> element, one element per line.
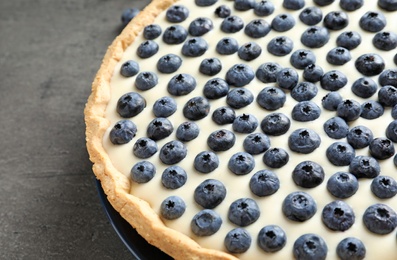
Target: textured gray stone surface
<point x="50" y="51"/>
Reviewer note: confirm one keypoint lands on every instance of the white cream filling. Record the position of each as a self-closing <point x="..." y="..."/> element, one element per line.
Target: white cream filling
<point x="378" y="247"/>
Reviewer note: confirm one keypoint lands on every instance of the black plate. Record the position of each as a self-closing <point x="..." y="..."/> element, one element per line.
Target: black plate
<point x="139" y="248"/>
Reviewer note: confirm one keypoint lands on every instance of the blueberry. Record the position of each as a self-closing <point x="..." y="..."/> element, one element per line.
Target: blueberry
<point x="169" y="63"/>
<point x="206" y="223"/>
<point x="331" y="101"/>
<point x="283" y="22"/>
<point x="287" y="78"/>
<point x="359" y="136"/>
<point x="311" y="15"/>
<point x="272" y="238"/>
<point x="187" y="131"/>
<point x="175" y="34"/>
<point x="304" y="91"/>
<point x="385" y="41"/>
<point x="240" y="75"/>
<point x="391" y="131"/>
<point x="147" y="49"/>
<point x="371" y="109"/>
<point x="364" y="167"/>
<point x="194" y="47"/>
<point x="130" y="104"/>
<point x="239" y="97"/>
<point x="237" y="241"/>
<point x="323" y="2"/>
<point x="206" y="162"/>
<point x="275" y="157"/>
<point x="144" y="148"/>
<point x="380" y="219"/>
<point x="196" y="108"/>
<point x="241" y="163"/>
<point x="271" y="98"/>
<point x="223" y="115"/>
<point x="293" y="4"/>
<point x="142" y="172"/>
<point x="369" y="64"/>
<point x="210" y="193"/>
<point x="159" y="128"/>
<point x="381" y="148"/>
<point x="304" y="140"/>
<point x="129" y="68"/>
<point x="152" y="31"/>
<point x="275" y="124"/>
<point x="338" y="56"/>
<point x="299" y="206"/>
<point x="232" y="24"/>
<point x="280" y="46"/>
<point x="205" y="2"/>
<point x="244" y="5"/>
<point x="351" y="5"/>
<point x="349" y="40"/>
<point x="308" y="174"/>
<point x="210" y="66"/>
<point x="173" y="152"/>
<point x="351" y="248"/>
<point x="173" y="177"/>
<point x="305" y="111"/>
<point x="264" y="183"/>
<point x="256" y="143"/>
<point x="313" y="73"/>
<point x="243" y="212"/>
<point x="257" y="28"/>
<point x="164" y="107"/>
<point x="333" y="80"/>
<point x="336" y="20"/>
<point x="384" y="187"/>
<point x="172" y="207"/>
<point x="263" y="8"/>
<point x="315" y="36"/>
<point x="364" y="87"/>
<point x="302" y="58"/>
<point x="388" y="77"/>
<point x="245" y="123"/>
<point x="215" y="88"/>
<point x="249" y="51"/>
<point x="342" y="185"/>
<point x="372" y="21"/>
<point x="227" y="46"/>
<point x="388" y="5"/>
<point x="394" y="112"/>
<point x="177" y="13"/>
<point x="146" y="80"/>
<point x="310" y="246"/>
<point x="128" y="14"/>
<point x="338" y="216"/>
<point x="221" y="140"/>
<point x="223" y="11"/>
<point x="340" y="153"/>
<point x="267" y="72"/>
<point x="336" y="128"/>
<point x="122" y="132"/>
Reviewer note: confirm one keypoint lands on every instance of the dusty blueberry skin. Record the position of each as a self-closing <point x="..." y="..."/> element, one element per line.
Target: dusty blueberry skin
<point x="146" y="80"/>
<point x="364" y="87"/>
<point x="394" y="112"/>
<point x="187" y="131"/>
<point x="293" y="4"/>
<point x="388" y="5"/>
<point x="239" y="98"/>
<point x="152" y="31"/>
<point x="240" y="75"/>
<point x="164" y="107"/>
<point x="275" y="157"/>
<point x="264" y="183"/>
<point x="384" y="187"/>
<point x="147" y="49"/>
<point x="194" y="47"/>
<point x="323" y="2"/>
<point x="227" y="46"/>
<point x="181" y="84"/>
<point x="311" y="15"/>
<point x="336" y="20"/>
<point x="223" y="11"/>
<point x="244" y="5"/>
<point x="342" y="185"/>
<point x="349" y="110"/>
<point x="385" y="41"/>
<point x="257" y="28"/>
<point x="340" y="153"/>
<point x="263" y="8"/>
<point x="206" y="162"/>
<point x="196" y="108"/>
<point x="159" y="128"/>
<point x="351" y="5"/>
<point x="241" y="163"/>
<point x="305" y="111"/>
<point x="351" y="248"/>
<point x="381" y="148"/>
<point x="299" y="206"/>
<point x="237" y="241"/>
<point x="221" y="140"/>
<point x="312" y="73"/>
<point x="275" y="124"/>
<point x="122" y="132"/>
<point x="349" y="40"/>
<point x="364" y="167"/>
<point x="206" y="223"/>
<point x="130" y="104"/>
<point x="249" y="51"/>
<point x="129" y="68"/>
<point x="232" y="24"/>
<point x="302" y="58"/>
<point x="336" y="128"/>
<point x="380" y="219"/>
<point x="173" y="177"/>
<point x="144" y="148"/>
<point x="391" y="131"/>
<point x="338" y="216"/>
<point x="175" y="34"/>
<point x="310" y="247"/>
<point x="177" y="13"/>
<point x="210" y="66"/>
<point x="333" y="80"/>
<point x="371" y="109"/>
<point x="142" y="172"/>
<point x="200" y="26"/>
<point x="331" y="100"/>
<point x="256" y="143"/>
<point x="267" y="72"/>
<point x="315" y="36"/>
<point x="283" y="22"/>
<point x="372" y="21"/>
<point x="169" y="63"/>
<point x="280" y="46"/>
<point x="338" y="56"/>
<point x="388" y="77"/>
<point x="223" y="115"/>
<point x="387" y="96"/>
<point x="243" y="212"/>
<point x="128" y="14"/>
<point x="272" y="238"/>
<point x="210" y="193"/>
<point x="308" y="174"/>
<point x="359" y="137"/>
<point x="215" y="88"/>
<point x="172" y="207"/>
<point x="205" y="2"/>
<point x="370" y="64"/>
<point x="245" y="123"/>
<point x="287" y="78"/>
<point x="304" y="140"/>
<point x="173" y="152"/>
<point x="271" y="98"/>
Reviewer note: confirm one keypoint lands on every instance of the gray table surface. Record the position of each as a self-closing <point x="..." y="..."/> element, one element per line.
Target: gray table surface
<point x="50" y="51"/>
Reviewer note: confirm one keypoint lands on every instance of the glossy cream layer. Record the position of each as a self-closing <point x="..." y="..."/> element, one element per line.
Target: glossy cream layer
<point x="378" y="247"/>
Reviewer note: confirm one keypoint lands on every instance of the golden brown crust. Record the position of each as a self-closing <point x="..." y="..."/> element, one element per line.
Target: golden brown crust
<point x="116" y="185"/>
